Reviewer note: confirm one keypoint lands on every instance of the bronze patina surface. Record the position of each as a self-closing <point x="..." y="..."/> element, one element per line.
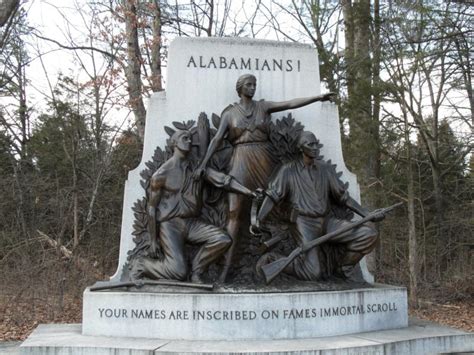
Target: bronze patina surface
<point x="194" y="224"/>
<point x="246" y="124"/>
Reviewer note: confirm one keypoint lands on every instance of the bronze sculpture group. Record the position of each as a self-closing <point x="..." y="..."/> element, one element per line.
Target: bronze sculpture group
<point x="188" y="225"/>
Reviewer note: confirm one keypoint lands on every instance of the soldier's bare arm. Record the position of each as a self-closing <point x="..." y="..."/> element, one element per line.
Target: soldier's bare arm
<point x="155" y="191"/>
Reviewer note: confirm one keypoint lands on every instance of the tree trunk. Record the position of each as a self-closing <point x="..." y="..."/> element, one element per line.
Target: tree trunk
<point x="133" y="70"/>
<point x="441" y="240"/>
<point x="363" y="152"/>
<point x="376" y="89"/>
<point x="349" y="48"/>
<point x="376" y="82"/>
<point x="156" y="81"/>
<point x="412" y="245"/>
<point x="362" y="148"/>
<point x="7" y="8"/>
<point x="363" y="138"/>
<point x="75" y="194"/>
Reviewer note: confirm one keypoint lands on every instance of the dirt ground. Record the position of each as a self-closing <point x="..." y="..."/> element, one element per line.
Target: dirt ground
<point x="459" y="314"/>
<point x="19" y="316"/>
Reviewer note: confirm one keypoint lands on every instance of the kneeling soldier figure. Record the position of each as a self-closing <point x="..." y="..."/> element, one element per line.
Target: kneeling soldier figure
<point x="174" y="203"/>
<point x="309" y="186"/>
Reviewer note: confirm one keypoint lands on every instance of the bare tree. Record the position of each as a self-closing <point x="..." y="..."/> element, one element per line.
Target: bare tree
<point x="133" y="69"/>
<point x="421" y="83"/>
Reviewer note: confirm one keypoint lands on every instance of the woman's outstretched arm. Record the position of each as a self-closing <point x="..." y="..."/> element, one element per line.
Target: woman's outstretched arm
<point x="296" y="103"/>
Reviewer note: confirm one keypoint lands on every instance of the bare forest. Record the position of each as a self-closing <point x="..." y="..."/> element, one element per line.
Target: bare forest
<point x="402" y="71"/>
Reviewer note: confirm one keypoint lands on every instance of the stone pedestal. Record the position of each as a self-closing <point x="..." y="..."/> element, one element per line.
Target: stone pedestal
<point x="243" y="315"/>
<point x="373" y="320"/>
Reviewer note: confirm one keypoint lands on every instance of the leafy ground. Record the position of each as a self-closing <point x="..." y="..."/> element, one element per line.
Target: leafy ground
<point x="21" y="315"/>
<point x="459" y="314"/>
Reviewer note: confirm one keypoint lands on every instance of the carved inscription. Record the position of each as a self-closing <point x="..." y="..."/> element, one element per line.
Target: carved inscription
<point x="247" y="315"/>
<point x="241" y="63"/>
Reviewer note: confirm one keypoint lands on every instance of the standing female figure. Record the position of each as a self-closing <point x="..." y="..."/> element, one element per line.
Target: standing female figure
<point x="246" y="124"/>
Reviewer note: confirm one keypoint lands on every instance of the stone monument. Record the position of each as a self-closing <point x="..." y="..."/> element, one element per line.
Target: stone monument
<point x="241" y="228"/>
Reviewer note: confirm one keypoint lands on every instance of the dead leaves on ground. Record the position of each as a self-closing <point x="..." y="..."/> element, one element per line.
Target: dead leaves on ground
<point x="459" y="314"/>
<point x="20" y="317"/>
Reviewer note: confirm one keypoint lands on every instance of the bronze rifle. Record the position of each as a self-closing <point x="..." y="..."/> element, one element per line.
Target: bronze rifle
<point x="140" y="283"/>
<point x="273" y="269"/>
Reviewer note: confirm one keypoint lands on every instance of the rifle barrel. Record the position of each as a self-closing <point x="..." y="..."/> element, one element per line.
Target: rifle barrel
<point x="109" y="286"/>
<point x="273" y="269"/>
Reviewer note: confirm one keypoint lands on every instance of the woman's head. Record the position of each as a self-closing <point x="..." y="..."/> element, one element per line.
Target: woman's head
<point x="242" y="80"/>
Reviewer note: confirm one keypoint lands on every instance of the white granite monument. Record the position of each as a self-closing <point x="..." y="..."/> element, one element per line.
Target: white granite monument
<point x="201" y="76"/>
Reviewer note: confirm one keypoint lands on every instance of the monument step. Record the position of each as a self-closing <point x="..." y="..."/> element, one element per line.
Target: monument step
<point x="418" y="338"/>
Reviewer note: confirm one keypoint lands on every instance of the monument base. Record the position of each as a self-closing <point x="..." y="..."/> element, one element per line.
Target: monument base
<point x="243" y="314"/>
<point x="418" y="338"/>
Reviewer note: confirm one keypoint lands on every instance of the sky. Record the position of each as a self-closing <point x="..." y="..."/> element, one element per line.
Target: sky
<point x="58" y="18"/>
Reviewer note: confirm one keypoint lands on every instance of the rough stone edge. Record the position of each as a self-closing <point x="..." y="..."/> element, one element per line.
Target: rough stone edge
<point x="376" y="287"/>
<point x="244" y="41"/>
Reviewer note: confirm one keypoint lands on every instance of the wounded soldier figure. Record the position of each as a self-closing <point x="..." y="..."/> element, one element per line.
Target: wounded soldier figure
<point x="308" y="186"/>
<point x="174" y="207"/>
